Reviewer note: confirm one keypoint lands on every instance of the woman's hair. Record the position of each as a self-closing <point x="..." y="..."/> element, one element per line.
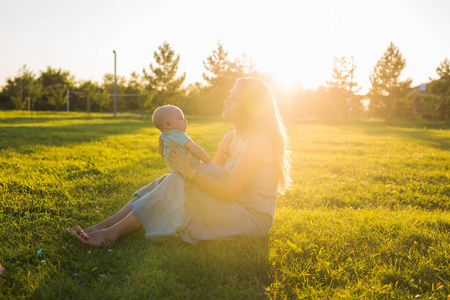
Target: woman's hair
<point x="259" y="113"/>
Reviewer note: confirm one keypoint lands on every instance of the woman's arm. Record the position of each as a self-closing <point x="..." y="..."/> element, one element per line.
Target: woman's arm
<point x="250" y="157"/>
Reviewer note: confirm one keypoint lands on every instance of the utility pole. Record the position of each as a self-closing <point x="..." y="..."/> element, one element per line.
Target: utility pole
<point x="115" y="84"/>
<point x="350" y="95"/>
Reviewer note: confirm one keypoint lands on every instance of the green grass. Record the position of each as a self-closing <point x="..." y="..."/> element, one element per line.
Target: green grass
<point x="367" y="215"/>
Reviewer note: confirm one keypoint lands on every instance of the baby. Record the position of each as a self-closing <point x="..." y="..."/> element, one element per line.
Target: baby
<point x="170" y="121"/>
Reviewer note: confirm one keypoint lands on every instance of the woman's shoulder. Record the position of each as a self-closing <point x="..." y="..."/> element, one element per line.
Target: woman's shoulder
<point x="228" y="137"/>
<point x="229" y="134"/>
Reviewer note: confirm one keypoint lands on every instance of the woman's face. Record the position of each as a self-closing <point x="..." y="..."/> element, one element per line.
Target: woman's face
<point x="232" y="105"/>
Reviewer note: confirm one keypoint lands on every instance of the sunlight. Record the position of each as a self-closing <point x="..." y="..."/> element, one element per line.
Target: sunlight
<point x="296" y="68"/>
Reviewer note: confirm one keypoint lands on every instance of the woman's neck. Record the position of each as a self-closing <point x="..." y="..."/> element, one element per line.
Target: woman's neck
<point x="249" y="130"/>
<point x="237" y="130"/>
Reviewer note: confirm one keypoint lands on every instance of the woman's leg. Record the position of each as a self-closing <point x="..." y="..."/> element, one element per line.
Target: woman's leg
<point x="125" y="226"/>
<point x="117" y="217"/>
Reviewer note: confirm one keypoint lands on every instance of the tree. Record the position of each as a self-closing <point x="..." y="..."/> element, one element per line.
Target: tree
<point x="35" y="91"/>
<point x="320" y="103"/>
<point x="92" y="92"/>
<point x="137" y="86"/>
<point x="55" y="84"/>
<point x="17" y="100"/>
<point x="23" y="89"/>
<point x="5" y="101"/>
<point x="220" y="76"/>
<point x="440" y="90"/>
<point x="243" y="66"/>
<point x="162" y="80"/>
<point x="56" y="95"/>
<point x="297" y="102"/>
<point x="199" y="100"/>
<point x="217" y="65"/>
<point x="431" y="104"/>
<point x="389" y="98"/>
<point x="339" y="89"/>
<point x="108" y="90"/>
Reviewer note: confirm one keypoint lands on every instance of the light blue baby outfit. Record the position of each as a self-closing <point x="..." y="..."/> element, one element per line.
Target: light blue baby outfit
<point x="179" y="138"/>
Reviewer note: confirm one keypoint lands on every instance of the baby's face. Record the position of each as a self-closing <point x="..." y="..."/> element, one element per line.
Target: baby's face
<point x="177" y="120"/>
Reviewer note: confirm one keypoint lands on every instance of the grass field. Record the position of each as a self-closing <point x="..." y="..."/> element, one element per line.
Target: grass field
<point x="367" y="216"/>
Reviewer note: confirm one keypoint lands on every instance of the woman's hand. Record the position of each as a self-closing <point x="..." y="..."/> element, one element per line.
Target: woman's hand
<point x="178" y="160"/>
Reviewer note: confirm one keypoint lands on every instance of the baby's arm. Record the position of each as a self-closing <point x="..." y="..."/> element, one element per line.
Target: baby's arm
<point x="197" y="151"/>
<point x="161" y="147"/>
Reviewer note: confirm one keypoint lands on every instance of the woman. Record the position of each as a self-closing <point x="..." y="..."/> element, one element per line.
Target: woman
<point x="255" y="163"/>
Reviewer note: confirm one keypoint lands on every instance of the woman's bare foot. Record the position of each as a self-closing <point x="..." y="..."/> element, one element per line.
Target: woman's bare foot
<point x="90" y="229"/>
<point x="96" y="238"/>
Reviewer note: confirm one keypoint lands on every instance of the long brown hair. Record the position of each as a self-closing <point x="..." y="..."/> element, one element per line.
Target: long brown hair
<point x="259" y="113"/>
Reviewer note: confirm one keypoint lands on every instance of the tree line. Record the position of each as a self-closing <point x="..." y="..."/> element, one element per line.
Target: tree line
<point x="389" y="98"/>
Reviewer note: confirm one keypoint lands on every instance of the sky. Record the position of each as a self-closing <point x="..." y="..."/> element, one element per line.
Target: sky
<point x="294" y="40"/>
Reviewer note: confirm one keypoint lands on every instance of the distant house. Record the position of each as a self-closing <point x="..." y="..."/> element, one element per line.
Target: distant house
<point x="421" y="89"/>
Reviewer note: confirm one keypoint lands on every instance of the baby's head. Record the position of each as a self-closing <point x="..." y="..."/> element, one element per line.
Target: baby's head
<point x="169" y="117"/>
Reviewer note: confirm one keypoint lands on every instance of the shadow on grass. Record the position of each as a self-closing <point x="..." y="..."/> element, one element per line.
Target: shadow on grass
<point x="413" y="130"/>
<point x="374" y="123"/>
<point x="23" y="135"/>
<point x="432" y="138"/>
<point x="23" y="138"/>
<point x="40" y="119"/>
<point x="134" y="268"/>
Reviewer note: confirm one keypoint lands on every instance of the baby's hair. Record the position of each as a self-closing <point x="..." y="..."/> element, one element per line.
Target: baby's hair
<point x="160" y="114"/>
